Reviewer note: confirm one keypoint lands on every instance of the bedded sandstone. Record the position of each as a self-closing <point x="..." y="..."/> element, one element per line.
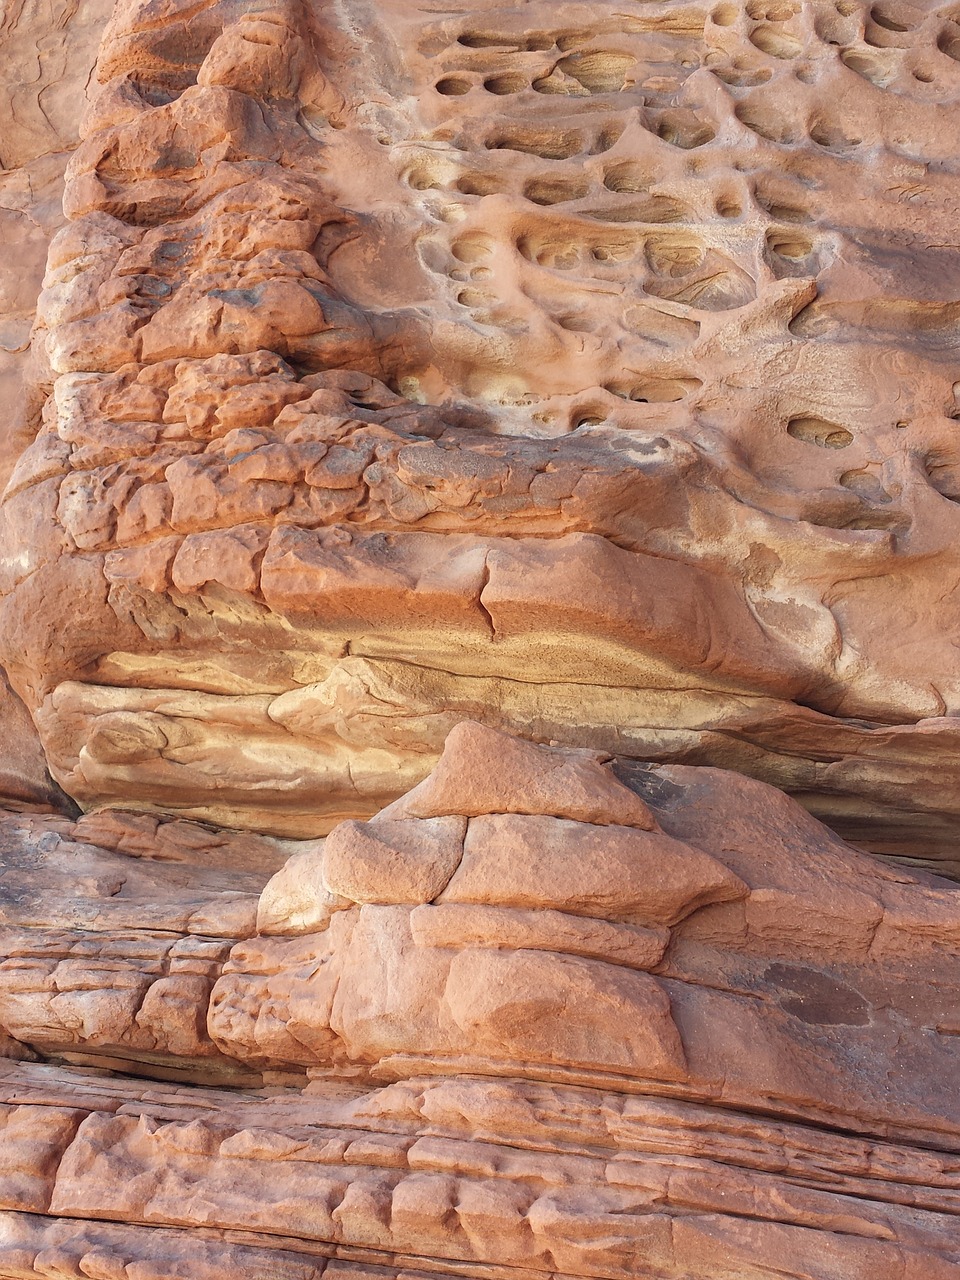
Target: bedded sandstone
<point x="690" y="1076"/>
<point x="431" y="437"/>
<point x="365" y="339"/>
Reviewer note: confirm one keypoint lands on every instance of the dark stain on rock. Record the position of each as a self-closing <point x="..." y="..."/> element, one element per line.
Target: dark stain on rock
<point x="645" y="781"/>
<point x="817" y="998"/>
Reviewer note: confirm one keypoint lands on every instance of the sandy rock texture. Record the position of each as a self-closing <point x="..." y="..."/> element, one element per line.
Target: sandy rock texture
<point x="47" y="56"/>
<point x="48" y="51"/>
<point x="456" y="458"/>
<point x="631" y="1021"/>
<point x="584" y="371"/>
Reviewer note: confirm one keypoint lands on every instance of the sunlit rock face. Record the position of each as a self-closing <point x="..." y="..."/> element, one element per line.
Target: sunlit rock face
<point x="586" y="369"/>
<point x="548" y="1014"/>
<point x="431" y="435"/>
<point x="47" y="55"/>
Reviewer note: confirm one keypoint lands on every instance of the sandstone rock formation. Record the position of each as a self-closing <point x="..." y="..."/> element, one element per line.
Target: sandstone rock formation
<point x="367" y="337"/>
<point x="547" y="1015"/>
<point x="456" y="458"/>
<point x="47" y="55"/>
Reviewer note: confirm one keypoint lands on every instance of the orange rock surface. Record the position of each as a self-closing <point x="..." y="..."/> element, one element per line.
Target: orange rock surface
<point x="467" y="466"/>
<point x="368" y="336"/>
<point x="716" y="1041"/>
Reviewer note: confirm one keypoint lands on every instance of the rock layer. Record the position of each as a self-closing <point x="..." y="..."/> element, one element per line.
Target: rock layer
<point x="366" y="338"/>
<point x="581" y="1049"/>
<point x="443" y="432"/>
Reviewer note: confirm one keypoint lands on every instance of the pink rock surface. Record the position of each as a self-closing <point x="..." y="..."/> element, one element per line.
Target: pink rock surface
<point x="747" y="1078"/>
<point x="583" y="373"/>
<point x="430" y="437"/>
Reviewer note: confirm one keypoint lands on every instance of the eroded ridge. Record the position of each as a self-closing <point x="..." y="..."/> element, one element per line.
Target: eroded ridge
<point x="546" y="1015"/>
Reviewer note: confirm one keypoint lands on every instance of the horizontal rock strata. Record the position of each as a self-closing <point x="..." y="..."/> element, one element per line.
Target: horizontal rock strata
<point x="704" y="1037"/>
<point x="348" y="362"/>
<point x="456" y="458"/>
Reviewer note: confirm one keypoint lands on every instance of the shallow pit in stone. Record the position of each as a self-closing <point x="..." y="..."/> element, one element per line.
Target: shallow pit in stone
<point x="818" y="431"/>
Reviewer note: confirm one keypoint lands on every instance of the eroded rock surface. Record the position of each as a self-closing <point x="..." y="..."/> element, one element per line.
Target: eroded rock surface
<point x="439" y="434"/>
<point x="369" y="336"/>
<point x="47" y="56"/>
<point x="702" y="1038"/>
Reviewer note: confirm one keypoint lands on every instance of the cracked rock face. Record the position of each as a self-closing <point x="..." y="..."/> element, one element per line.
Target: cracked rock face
<point x="584" y="371"/>
<point x="431" y="436"/>
<point x="47" y="54"/>
<point x="549" y="1014"/>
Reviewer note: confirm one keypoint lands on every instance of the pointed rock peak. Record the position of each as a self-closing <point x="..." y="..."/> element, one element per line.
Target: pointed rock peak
<point x="483" y="771"/>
